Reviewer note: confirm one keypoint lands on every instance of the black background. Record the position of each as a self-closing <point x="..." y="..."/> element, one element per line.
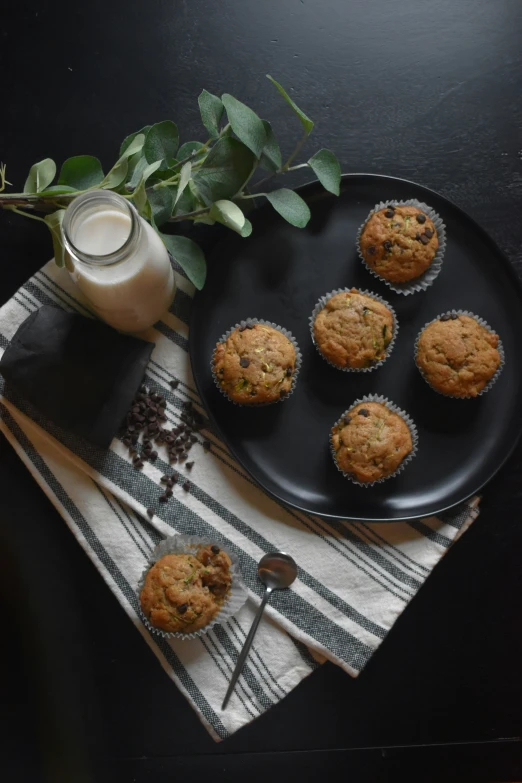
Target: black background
<point x="425" y="91"/>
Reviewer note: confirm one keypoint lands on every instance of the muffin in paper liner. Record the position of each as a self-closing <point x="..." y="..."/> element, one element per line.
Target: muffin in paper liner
<point x="322" y="303"/>
<point x="188" y="545"/>
<point x="500" y="349"/>
<point x="407" y="420"/>
<point x="428" y="277"/>
<point x="298" y="362"/>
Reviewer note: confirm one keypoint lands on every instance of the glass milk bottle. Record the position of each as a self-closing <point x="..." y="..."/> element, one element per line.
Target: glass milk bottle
<point x="120" y="264"/>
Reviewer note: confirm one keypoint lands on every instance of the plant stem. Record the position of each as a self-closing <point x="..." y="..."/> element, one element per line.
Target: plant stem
<point x="189" y="215"/>
<point x="25" y="214"/>
<point x="295" y="152"/>
<point x="251" y="195"/>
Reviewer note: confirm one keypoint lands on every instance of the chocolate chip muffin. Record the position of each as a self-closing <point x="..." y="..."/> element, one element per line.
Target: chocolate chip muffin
<point x="353" y="330"/>
<point x="370" y="441"/>
<point x="399" y="243"/>
<point x="457" y="356"/>
<point x="183" y="593"/>
<point x="256" y="364"/>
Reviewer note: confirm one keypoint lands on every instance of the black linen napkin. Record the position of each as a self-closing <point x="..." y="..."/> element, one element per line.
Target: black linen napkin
<point x="76" y="371"/>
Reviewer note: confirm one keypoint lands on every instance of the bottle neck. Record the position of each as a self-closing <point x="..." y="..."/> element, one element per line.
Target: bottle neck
<point x="101" y="228"/>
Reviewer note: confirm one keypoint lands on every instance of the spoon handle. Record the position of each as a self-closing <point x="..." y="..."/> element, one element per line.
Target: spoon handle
<point x="246" y="647"/>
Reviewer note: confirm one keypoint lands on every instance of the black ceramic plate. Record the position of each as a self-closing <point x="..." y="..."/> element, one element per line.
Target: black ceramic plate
<point x="278" y="274"/>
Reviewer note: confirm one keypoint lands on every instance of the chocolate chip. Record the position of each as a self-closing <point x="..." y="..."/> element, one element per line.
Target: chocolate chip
<point x="417" y="235"/>
<point x="428" y="232"/>
<point x="244" y="362"/>
<point x="126" y="441"/>
<point x="454" y="316"/>
<point x="173" y="384"/>
<point x="183" y="608"/>
<point x="138" y="464"/>
<point x="390" y="212"/>
<point x="144" y="389"/>
<point x="131" y="428"/>
<point x="445" y="317"/>
<point x="242" y="327"/>
<point x="134" y="439"/>
<point x="421" y="218"/>
<point x="186" y="486"/>
<point x="346" y="420"/>
<point x="150" y="512"/>
<point x="163" y="498"/>
<point x="193" y="439"/>
<point x="288" y="372"/>
<point x="424" y="239"/>
<point x="168" y="492"/>
<point x="153" y="455"/>
<point x="164" y="479"/>
<point x="189" y="465"/>
<point x="215" y="549"/>
<point x="364" y="412"/>
<point x="372" y="250"/>
<point x="387" y="245"/>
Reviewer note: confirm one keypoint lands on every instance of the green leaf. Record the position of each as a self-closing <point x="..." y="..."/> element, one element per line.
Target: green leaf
<point x="326" y="168"/>
<point x="188" y="148"/>
<point x="189" y="256"/>
<point x="140" y="196"/>
<point x="229" y="214"/>
<point x="136" y="145"/>
<point x="139" y="168"/>
<point x="81" y="172"/>
<point x="224" y="171"/>
<point x="161" y="142"/>
<point x="245" y="123"/>
<point x="306" y="121"/>
<point x="184" y="177"/>
<point x="271" y="155"/>
<point x="40" y="176"/>
<point x="211" y="110"/>
<point x="187" y="202"/>
<point x="247" y="229"/>
<point x="116" y="175"/>
<point x="57" y="190"/>
<point x="54" y="222"/>
<point x="129" y="139"/>
<point x="162" y="203"/>
<point x="290" y="206"/>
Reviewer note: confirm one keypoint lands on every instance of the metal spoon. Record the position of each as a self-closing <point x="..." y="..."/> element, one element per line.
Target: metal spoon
<point x="277" y="571"/>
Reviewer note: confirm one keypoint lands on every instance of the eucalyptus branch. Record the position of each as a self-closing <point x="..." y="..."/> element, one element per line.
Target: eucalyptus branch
<point x="189" y="215"/>
<point x="296" y="151"/>
<point x="3" y="181"/>
<point x="25" y="214"/>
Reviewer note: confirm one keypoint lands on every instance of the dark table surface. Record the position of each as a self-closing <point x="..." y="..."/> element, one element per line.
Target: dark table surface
<point x="426" y="91"/>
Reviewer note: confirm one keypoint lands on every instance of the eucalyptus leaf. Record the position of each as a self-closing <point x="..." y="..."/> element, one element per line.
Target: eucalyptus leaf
<point x="189" y="256"/>
<point x="306" y="121"/>
<point x="161" y="142"/>
<point x="290" y="206"/>
<point x="326" y="168"/>
<point x="211" y="110"/>
<point x="245" y="123"/>
<point x="116" y="175"/>
<point x="40" y="176"/>
<point x="224" y="171"/>
<point x="54" y="222"/>
<point x="271" y="155"/>
<point x="135" y="146"/>
<point x="187" y="202"/>
<point x="129" y="139"/>
<point x="139" y="168"/>
<point x="162" y="203"/>
<point x="229" y="214"/>
<point x="81" y="172"/>
<point x="188" y="148"/>
<point x="140" y="196"/>
<point x="57" y="190"/>
<point x="184" y="178"/>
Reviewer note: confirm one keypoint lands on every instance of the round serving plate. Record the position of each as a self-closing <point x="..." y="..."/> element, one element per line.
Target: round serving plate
<point x="278" y="274"/>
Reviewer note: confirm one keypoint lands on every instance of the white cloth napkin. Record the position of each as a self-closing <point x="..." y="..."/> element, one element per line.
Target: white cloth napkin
<point x="354" y="579"/>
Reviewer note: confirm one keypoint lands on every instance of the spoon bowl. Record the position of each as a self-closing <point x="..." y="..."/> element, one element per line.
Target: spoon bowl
<point x="277" y="570"/>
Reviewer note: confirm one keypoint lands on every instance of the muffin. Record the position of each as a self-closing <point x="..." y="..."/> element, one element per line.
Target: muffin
<point x="353" y="330"/>
<point x="255" y="364"/>
<point x="184" y="592"/>
<point x="457" y="355"/>
<point x="370" y="441"/>
<point x="399" y="243"/>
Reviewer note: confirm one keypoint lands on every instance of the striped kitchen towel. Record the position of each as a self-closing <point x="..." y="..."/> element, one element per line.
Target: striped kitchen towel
<point x="354" y="580"/>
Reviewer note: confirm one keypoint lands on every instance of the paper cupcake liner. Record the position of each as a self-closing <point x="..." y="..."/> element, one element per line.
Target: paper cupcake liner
<point x="500" y="349"/>
<point x="427" y="278"/>
<point x="188" y="545"/>
<point x="298" y="362"/>
<point x="406" y="418"/>
<point x="321" y="304"/>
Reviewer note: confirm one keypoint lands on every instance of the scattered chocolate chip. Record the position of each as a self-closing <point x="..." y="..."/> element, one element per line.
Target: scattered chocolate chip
<point x="387" y="245"/>
<point x="244" y="362"/>
<point x="417" y="235"/>
<point x="174" y="384"/>
<point x="193" y="439"/>
<point x="288" y="372"/>
<point x="131" y="428"/>
<point x="153" y="455"/>
<point x="189" y="465"/>
<point x="150" y="512"/>
<point x="372" y="250"/>
<point x="144" y="389"/>
<point x="428" y="232"/>
<point x="283" y="393"/>
<point x="424" y="239"/>
<point x="164" y="479"/>
<point x="168" y="492"/>
<point x="215" y="549"/>
<point x="138" y="464"/>
<point x="454" y="316"/>
<point x="134" y="439"/>
<point x="390" y="212"/>
<point x="421" y="218"/>
<point x="445" y="317"/>
<point x="127" y="441"/>
<point x="183" y="608"/>
<point x="346" y="420"/>
<point x="186" y="485"/>
<point x="163" y="498"/>
<point x="364" y="412"/>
